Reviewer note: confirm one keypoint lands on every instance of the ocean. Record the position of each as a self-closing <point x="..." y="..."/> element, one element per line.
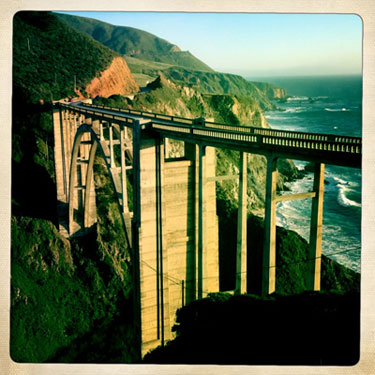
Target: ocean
<point x="331" y="105"/>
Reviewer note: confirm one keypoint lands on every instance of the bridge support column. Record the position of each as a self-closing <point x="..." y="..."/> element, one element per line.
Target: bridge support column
<point x="202" y="246"/>
<point x="101" y="131"/>
<point x="89" y="217"/>
<point x="315" y="249"/>
<point x="59" y="154"/>
<point x="112" y="159"/>
<point x="150" y="254"/>
<point x="269" y="250"/>
<point x="167" y="147"/>
<point x="241" y="259"/>
<point x="125" y="208"/>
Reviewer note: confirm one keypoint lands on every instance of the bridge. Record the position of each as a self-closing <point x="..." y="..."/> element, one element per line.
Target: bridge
<point x="172" y="229"/>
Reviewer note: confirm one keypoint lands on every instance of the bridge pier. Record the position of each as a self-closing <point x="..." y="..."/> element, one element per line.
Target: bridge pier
<point x="202" y="245"/>
<point x="313" y="275"/>
<point x="177" y="233"/>
<point x="241" y="257"/>
<point x="316" y="228"/>
<point x="269" y="249"/>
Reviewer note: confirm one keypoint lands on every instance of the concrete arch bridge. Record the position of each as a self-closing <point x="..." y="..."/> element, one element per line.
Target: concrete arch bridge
<point x="172" y="228"/>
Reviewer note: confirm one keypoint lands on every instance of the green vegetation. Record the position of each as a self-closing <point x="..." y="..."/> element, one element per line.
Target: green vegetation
<point x="306" y="329"/>
<point x="132" y="42"/>
<point x="217" y="83"/>
<point x="71" y="301"/>
<point x="48" y="54"/>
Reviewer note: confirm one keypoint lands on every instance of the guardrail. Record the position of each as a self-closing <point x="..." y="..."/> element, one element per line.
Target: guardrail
<point x="215" y="131"/>
<point x="240" y="128"/>
<point x="260" y="139"/>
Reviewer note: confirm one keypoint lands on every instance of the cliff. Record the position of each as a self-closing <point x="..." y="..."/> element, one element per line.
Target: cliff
<point x="116" y="79"/>
<point x="271" y="90"/>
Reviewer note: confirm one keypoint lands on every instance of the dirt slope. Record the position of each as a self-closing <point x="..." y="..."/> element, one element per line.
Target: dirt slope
<point x="117" y="79"/>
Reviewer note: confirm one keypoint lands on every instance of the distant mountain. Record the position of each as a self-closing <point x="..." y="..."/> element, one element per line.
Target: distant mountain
<point x="133" y="42"/>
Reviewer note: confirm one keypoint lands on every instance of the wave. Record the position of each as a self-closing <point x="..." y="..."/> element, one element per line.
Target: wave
<point x="294" y="98"/>
<point x="343" y="188"/>
<point x="343" y="200"/>
<point x="297" y="110"/>
<point x="276" y="117"/>
<point x="337" y="109"/>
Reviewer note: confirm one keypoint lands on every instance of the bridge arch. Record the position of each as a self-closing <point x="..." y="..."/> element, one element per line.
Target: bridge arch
<point x="81" y="179"/>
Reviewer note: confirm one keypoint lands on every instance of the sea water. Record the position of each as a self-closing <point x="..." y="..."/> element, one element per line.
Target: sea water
<point x="331" y="105"/>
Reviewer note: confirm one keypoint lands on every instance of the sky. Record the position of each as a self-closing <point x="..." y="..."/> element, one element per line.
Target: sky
<point x="256" y="45"/>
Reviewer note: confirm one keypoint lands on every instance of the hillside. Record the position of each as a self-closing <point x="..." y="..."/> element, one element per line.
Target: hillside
<point x="133" y="42"/>
<point x="221" y="83"/>
<point x="39" y="39"/>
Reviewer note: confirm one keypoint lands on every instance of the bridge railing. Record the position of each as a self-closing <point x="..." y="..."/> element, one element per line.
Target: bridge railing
<point x="260" y="136"/>
<point x="97" y="114"/>
<point x="260" y="139"/>
<point x="150" y="115"/>
<point x="243" y="129"/>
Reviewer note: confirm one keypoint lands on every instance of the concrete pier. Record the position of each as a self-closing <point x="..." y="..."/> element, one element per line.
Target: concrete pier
<point x="316" y="229"/>
<point x="241" y="254"/>
<point x="167" y="237"/>
<point x="269" y="249"/>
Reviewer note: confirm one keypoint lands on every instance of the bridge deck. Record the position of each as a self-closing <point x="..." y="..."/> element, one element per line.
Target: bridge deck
<point x="324" y="148"/>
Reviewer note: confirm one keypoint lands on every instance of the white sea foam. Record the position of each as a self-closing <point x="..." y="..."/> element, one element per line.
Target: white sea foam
<point x="340" y="180"/>
<point x="276" y="117"/>
<point x="297" y="110"/>
<point x="343" y="188"/>
<point x="337" y="109"/>
<point x="295" y="98"/>
<point x="343" y="200"/>
<point x="341" y="251"/>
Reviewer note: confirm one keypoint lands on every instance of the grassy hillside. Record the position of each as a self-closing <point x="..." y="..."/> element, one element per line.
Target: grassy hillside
<point x="47" y="54"/>
<point x="219" y="83"/>
<point x="71" y="301"/>
<point x="133" y="42"/>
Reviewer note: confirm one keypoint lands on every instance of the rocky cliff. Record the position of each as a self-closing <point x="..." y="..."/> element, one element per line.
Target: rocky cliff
<point x="116" y="79"/>
<point x="271" y="90"/>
